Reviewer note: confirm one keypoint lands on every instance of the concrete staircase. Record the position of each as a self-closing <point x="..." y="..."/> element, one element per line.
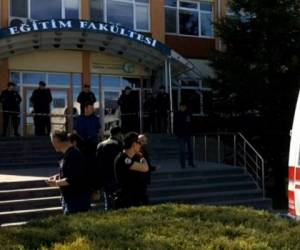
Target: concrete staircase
<point x="208" y="183"/>
<point x="26" y="200"/>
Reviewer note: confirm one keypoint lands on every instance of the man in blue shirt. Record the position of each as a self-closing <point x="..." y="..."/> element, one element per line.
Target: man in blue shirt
<point x="88" y="127"/>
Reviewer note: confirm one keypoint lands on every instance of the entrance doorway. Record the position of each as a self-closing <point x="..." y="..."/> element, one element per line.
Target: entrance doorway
<point x="60" y="108"/>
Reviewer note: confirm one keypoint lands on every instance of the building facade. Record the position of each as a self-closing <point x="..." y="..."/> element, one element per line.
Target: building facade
<point x="108" y="44"/>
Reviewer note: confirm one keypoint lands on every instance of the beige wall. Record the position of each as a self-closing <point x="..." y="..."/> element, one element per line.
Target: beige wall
<point x="110" y="65"/>
<point x="57" y="61"/>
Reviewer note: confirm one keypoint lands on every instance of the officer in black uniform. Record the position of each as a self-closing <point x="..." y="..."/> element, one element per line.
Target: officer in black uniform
<point x="130" y="170"/>
<point x="163" y="106"/>
<point x="85" y="96"/>
<point x="41" y="99"/>
<point x="129" y="106"/>
<point x="10" y="100"/>
<point x="106" y="153"/>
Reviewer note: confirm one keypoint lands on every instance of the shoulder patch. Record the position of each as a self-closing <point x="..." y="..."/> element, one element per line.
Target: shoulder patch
<point x="128" y="160"/>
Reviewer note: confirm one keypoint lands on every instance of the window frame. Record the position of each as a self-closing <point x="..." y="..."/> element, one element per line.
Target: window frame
<point x="63" y="10"/>
<point x="135" y="3"/>
<point x="177" y="8"/>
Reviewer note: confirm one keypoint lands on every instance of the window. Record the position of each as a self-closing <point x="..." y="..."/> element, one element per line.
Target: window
<point x="120" y="12"/>
<point x="192" y="18"/>
<point x="45" y="9"/>
<point x="134" y="14"/>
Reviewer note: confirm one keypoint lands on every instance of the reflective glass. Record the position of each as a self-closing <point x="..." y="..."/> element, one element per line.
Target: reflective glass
<point x="206" y="25"/>
<point x="97" y="10"/>
<point x="72" y="9"/>
<point x="15" y="77"/>
<point x="124" y="17"/>
<point x="172" y="3"/>
<point x="188" y="22"/>
<point x="171" y="25"/>
<point x="76" y="79"/>
<point x="111" y="102"/>
<point x="18" y="8"/>
<point x="45" y="9"/>
<point x="206" y="7"/>
<point x="59" y="79"/>
<point x="131" y="82"/>
<point x="142" y="17"/>
<point x="33" y="78"/>
<point x="188" y="5"/>
<point x="142" y="1"/>
<point x="111" y="81"/>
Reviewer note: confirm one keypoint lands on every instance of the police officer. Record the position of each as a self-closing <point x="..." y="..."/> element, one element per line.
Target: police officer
<point x="106" y="153"/>
<point x="10" y="100"/>
<point x="129" y="107"/>
<point x="41" y="99"/>
<point x="162" y="104"/>
<point x="130" y="170"/>
<point x="183" y="130"/>
<point x="85" y="96"/>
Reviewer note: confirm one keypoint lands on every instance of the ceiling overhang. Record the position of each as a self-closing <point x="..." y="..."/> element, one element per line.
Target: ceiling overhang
<point x="65" y="34"/>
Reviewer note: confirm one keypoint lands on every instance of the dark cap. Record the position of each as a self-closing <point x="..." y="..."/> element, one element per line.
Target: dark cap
<point x="42" y="83"/>
<point x="11" y="84"/>
<point x="127" y="88"/>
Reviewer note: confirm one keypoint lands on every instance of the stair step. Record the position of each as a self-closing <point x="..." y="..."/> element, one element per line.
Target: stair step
<point x="22" y="185"/>
<point x="198" y="180"/>
<point x="32" y="203"/>
<point x="20" y="165"/>
<point x="28" y="193"/>
<point x="27" y="215"/>
<point x="201" y="188"/>
<point x="208" y="197"/>
<point x="195" y="172"/>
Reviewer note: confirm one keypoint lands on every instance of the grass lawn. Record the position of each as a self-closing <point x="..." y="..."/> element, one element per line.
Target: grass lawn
<point x="167" y="226"/>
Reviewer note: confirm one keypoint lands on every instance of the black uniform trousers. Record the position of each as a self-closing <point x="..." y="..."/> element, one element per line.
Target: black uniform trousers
<point x="42" y="125"/>
<point x="14" y="119"/>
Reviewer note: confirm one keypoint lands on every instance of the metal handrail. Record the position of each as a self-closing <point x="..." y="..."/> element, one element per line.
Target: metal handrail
<point x="240" y="149"/>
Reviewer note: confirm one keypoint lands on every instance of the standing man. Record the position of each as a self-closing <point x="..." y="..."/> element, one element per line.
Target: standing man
<point x="183" y="130"/>
<point x="130" y="169"/>
<point x="88" y="127"/>
<point x="106" y="153"/>
<point x="72" y="179"/>
<point x="10" y="100"/>
<point x="129" y="107"/>
<point x="162" y="103"/>
<point x="41" y="99"/>
<point x="85" y="96"/>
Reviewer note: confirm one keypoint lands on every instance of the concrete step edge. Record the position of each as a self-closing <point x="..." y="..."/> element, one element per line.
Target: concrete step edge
<point x="187" y="187"/>
<point x="198" y="178"/>
<point x="29" y="211"/>
<point x="28" y="189"/>
<point x="7" y="202"/>
<point x="207" y="195"/>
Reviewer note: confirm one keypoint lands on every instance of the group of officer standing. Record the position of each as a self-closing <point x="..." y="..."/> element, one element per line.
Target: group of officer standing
<point x="41" y="99"/>
<point x="119" y="169"/>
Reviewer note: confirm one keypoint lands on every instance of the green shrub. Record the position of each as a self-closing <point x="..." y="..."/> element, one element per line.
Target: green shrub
<point x="167" y="226"/>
